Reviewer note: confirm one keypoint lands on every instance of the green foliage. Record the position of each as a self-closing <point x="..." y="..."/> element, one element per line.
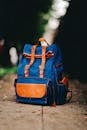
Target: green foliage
<point x="7" y="70"/>
<point x="45" y="6"/>
<point x="41" y="18"/>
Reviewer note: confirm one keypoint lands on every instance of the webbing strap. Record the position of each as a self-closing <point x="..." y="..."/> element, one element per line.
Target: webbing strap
<point x="42" y="66"/>
<point x="48" y="55"/>
<point x="26" y="71"/>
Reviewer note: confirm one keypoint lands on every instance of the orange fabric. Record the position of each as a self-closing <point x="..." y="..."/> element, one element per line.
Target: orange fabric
<point x="42" y="66"/>
<point x="64" y="81"/>
<point x="31" y="90"/>
<point x="26" y="71"/>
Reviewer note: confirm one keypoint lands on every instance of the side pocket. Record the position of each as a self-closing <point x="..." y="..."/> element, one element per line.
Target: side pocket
<point x="61" y="93"/>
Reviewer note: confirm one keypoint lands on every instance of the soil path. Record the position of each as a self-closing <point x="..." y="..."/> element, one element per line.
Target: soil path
<point x="17" y="116"/>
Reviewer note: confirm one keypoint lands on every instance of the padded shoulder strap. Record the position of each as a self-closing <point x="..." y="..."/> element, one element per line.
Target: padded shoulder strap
<point x="26" y="71"/>
<point x="42" y="66"/>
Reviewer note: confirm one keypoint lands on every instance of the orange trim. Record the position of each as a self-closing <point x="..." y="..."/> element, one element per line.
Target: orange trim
<point x="31" y="90"/>
<point x="26" y="71"/>
<point x="65" y="81"/>
<point x="42" y="39"/>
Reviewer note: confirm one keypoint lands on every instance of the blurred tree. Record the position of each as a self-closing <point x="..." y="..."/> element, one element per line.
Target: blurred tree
<point x="21" y="21"/>
<point x="73" y="39"/>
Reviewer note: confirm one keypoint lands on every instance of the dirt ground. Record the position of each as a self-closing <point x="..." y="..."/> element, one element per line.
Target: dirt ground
<point x="17" y="116"/>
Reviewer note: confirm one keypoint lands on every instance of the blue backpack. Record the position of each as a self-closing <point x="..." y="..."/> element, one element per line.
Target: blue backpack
<point x="39" y="73"/>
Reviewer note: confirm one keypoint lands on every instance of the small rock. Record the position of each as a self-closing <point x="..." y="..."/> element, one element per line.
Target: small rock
<point x="4" y="97"/>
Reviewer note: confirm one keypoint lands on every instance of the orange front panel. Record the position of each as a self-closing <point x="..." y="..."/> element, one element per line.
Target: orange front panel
<point x="31" y="90"/>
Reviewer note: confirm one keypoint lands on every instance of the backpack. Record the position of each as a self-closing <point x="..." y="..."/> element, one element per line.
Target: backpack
<point x="39" y="74"/>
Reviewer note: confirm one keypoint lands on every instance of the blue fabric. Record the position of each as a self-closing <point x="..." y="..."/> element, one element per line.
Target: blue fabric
<point x="60" y="94"/>
<point x="33" y="80"/>
<point x="50" y="71"/>
<point x="52" y="74"/>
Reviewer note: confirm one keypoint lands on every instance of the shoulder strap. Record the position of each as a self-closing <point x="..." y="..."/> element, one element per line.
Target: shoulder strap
<point x="26" y="71"/>
<point x="42" y="66"/>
